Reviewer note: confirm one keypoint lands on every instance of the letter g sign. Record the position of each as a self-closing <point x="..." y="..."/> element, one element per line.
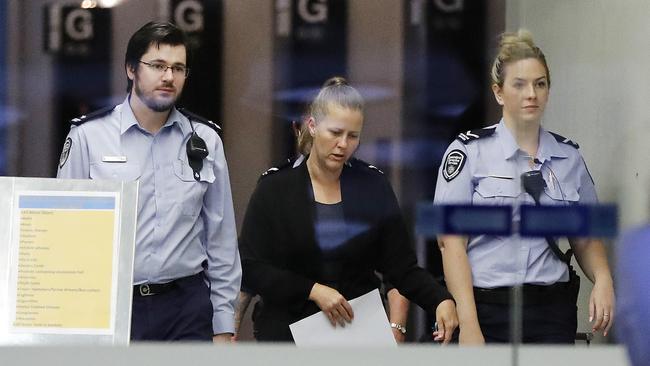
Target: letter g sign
<point x="189" y="16"/>
<point x="79" y="25"/>
<point x="317" y="13"/>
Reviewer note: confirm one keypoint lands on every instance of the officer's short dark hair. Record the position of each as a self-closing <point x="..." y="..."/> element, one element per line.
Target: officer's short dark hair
<point x="153" y="33"/>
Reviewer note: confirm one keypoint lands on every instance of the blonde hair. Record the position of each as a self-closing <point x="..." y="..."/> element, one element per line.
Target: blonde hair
<point x="335" y="93"/>
<point x="514" y="47"/>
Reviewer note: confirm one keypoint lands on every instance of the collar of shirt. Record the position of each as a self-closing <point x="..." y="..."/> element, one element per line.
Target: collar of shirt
<point x="506" y="141"/>
<point x="548" y="145"/>
<point x="128" y="119"/>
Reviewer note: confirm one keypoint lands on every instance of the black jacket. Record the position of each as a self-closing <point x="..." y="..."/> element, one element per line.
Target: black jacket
<point x="281" y="259"/>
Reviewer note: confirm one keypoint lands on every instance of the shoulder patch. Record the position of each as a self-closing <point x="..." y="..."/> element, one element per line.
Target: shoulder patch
<point x="564" y="140"/>
<point x="196" y="118"/>
<point x="66" y="152"/>
<point x="453" y="165"/>
<point x="364" y="164"/>
<point x="469" y="136"/>
<point x="91" y="116"/>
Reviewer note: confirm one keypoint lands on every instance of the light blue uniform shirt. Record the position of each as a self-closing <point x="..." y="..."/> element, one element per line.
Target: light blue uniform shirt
<point x="182" y="223"/>
<point x="491" y="175"/>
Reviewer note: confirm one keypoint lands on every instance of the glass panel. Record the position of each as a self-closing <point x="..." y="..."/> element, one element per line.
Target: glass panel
<point x="454" y="148"/>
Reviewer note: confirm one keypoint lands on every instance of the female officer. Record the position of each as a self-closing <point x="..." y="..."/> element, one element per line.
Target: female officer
<point x="317" y="229"/>
<point x="485" y="167"/>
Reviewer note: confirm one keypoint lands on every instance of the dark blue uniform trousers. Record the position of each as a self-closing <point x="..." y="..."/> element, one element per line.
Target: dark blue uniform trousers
<point x="181" y="313"/>
<point x="547" y="323"/>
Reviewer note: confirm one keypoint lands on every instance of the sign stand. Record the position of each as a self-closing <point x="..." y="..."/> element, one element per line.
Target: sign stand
<point x="66" y="260"/>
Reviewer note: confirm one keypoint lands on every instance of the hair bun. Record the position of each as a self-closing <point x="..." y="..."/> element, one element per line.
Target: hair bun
<point x="335" y="81"/>
<point x="512" y="39"/>
<point x="514" y="47"/>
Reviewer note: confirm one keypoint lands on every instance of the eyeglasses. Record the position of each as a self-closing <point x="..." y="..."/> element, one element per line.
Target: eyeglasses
<point x="161" y="68"/>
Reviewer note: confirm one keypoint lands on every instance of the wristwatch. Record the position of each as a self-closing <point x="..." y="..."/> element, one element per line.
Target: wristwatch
<point x="399" y="327"/>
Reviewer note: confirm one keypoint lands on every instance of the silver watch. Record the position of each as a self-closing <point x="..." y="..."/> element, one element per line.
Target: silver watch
<point x="399" y="327"/>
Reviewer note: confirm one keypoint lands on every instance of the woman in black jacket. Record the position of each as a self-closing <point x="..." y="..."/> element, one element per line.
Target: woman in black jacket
<point x="316" y="229"/>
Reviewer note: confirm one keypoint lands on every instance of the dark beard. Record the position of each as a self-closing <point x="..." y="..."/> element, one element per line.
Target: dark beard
<point x="153" y="104"/>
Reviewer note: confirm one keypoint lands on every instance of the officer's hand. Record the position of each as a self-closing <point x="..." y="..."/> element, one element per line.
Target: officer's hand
<point x="222" y="338"/>
<point x="332" y="303"/>
<point x="447" y="321"/>
<point x="601" y="306"/>
<point x="471" y="337"/>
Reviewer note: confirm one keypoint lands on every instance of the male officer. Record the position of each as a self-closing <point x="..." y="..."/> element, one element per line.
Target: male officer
<point x="187" y="270"/>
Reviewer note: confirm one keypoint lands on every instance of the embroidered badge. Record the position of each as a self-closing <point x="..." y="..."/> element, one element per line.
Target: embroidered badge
<point x="453" y="165"/>
<point x="66" y="152"/>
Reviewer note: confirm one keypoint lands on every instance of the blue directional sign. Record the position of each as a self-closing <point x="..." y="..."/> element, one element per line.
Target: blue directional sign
<point x="577" y="220"/>
<point x="463" y="220"/>
<point x="536" y="221"/>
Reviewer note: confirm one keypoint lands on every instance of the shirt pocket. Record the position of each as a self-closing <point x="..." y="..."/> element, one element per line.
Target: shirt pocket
<point x="115" y="171"/>
<point x="496" y="191"/>
<point x="189" y="191"/>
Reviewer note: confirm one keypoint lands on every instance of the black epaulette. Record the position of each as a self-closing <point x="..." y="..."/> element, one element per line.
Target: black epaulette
<point x="91" y="116"/>
<point x="364" y="164"/>
<point x="286" y="164"/>
<point x="196" y="118"/>
<point x="469" y="136"/>
<point x="564" y="140"/>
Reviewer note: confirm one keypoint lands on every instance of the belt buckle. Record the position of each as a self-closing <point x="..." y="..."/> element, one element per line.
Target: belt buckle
<point x="145" y="290"/>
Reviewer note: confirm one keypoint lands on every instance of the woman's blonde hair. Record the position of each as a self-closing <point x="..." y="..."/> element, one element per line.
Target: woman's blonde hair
<point x="514" y="47"/>
<point x="335" y="93"/>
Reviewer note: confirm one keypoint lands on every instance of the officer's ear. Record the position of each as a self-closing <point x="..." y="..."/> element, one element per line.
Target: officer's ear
<point x="498" y="93"/>
<point x="130" y="71"/>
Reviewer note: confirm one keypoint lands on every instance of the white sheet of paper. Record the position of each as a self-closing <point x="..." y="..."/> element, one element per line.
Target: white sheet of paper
<point x="370" y="326"/>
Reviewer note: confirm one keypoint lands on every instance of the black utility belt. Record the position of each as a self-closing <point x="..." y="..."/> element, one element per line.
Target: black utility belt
<point x="559" y="292"/>
<point x="151" y="289"/>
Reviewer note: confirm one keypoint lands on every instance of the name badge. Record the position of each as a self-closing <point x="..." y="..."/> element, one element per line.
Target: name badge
<point x="114" y="159"/>
<point x="500" y="176"/>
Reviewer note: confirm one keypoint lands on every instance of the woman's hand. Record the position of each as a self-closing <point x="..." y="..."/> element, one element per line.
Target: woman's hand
<point x="332" y="303"/>
<point x="592" y="257"/>
<point x="471" y="337"/>
<point x="398" y="310"/>
<point x="601" y="306"/>
<point x="458" y="275"/>
<point x="398" y="335"/>
<point x="447" y="321"/>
